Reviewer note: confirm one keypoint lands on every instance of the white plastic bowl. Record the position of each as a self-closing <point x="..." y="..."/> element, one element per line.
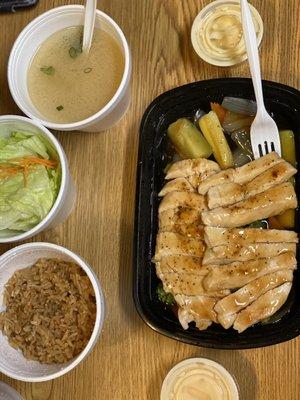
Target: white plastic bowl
<point x="26" y="45"/>
<point x="65" y="200"/>
<point x="12" y="361"/>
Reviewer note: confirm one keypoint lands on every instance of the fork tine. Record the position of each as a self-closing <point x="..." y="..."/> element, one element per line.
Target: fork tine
<point x="277" y="146"/>
<point x="257" y="152"/>
<point x="272" y="146"/>
<point x="261" y="149"/>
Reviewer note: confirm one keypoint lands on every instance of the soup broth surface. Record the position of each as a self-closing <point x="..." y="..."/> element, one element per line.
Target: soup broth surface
<point x="66" y="85"/>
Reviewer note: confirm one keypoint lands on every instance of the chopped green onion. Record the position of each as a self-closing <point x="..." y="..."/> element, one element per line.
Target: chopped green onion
<point x="87" y="70"/>
<point x="59" y="108"/>
<point x="73" y="52"/>
<point x="48" y="70"/>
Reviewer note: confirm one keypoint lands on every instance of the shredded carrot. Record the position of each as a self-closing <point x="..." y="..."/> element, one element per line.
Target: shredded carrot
<point x="35" y="160"/>
<point x="219" y="110"/>
<point x="9" y="169"/>
<point x="21" y="165"/>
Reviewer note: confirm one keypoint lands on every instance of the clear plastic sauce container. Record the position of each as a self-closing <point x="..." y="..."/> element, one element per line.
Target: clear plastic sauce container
<point x="8" y="393"/>
<point x="199" y="379"/>
<point x="217" y="33"/>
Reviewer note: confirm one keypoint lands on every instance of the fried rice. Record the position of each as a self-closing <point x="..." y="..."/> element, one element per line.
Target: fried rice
<point x="50" y="310"/>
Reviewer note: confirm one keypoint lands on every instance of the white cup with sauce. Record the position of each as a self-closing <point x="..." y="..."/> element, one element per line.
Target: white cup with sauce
<point x="66" y="196"/>
<point x="25" y="47"/>
<point x="199" y="378"/>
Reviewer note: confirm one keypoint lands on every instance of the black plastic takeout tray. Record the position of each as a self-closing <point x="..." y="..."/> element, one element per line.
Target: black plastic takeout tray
<point x="283" y="103"/>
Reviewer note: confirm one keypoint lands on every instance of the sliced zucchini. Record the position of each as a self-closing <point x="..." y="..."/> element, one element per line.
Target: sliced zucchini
<point x="188" y="140"/>
<point x="211" y="128"/>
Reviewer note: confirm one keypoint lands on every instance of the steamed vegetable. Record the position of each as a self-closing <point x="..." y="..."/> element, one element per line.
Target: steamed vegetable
<point x="287" y="219"/>
<point x="288" y="152"/>
<point x="211" y="128"/>
<point x="219" y="110"/>
<point x="29" y="180"/>
<point x="240" y="106"/>
<point x="243" y="153"/>
<point x="234" y="122"/>
<point x="288" y="147"/>
<point x="274" y="223"/>
<point x="187" y="139"/>
<point x="166" y="298"/>
<point x="262" y="224"/>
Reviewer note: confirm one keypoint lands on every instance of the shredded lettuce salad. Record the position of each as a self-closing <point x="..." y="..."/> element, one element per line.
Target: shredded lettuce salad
<point x="30" y="176"/>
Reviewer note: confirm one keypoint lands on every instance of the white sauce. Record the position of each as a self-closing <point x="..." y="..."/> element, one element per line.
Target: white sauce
<point x="199" y="380"/>
<point x="217" y="34"/>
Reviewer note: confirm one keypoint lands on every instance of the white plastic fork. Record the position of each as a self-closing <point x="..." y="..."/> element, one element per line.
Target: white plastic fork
<point x="264" y="133"/>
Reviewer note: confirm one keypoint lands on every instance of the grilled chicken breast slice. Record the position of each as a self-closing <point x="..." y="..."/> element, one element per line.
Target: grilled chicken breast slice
<point x="238" y="274"/>
<point x="169" y="243"/>
<point x="230" y="193"/>
<point x="218" y="178"/>
<point x="187" y="284"/>
<point x="240" y="175"/>
<point x="273" y="176"/>
<point x="228" y="307"/>
<point x="182" y="265"/>
<point x="273" y="201"/>
<point x="235" y="252"/>
<point x="191" y="230"/>
<point x="183" y="199"/>
<point x="195" y="180"/>
<point x="242" y="236"/>
<point x="176" y="185"/>
<point x="226" y="194"/>
<point x="196" y="308"/>
<point x="265" y="306"/>
<point x="251" y="170"/>
<point x="198" y="166"/>
<point x="179" y="216"/>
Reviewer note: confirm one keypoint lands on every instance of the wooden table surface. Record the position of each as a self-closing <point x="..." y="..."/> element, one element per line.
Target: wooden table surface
<point x="130" y="360"/>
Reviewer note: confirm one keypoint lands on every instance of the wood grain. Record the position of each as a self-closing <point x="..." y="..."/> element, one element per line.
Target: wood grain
<point x="130" y="360"/>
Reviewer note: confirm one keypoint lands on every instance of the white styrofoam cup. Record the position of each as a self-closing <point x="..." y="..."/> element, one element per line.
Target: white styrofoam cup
<point x="65" y="200"/>
<point x="26" y="45"/>
<point x="12" y="361"/>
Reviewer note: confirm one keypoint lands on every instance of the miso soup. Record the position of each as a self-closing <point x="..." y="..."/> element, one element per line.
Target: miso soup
<point x="66" y="85"/>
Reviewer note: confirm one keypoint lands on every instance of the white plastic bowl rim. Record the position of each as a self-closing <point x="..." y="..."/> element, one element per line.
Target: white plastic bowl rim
<point x="100" y="309"/>
<point x="62" y="159"/>
<point x="106" y="109"/>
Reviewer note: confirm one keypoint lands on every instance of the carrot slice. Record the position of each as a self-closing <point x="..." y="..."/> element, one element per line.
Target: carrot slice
<point x="219" y="110"/>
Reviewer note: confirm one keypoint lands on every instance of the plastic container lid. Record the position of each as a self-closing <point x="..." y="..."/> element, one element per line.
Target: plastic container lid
<point x="217" y="35"/>
<point x="8" y="393"/>
<point x="184" y="377"/>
